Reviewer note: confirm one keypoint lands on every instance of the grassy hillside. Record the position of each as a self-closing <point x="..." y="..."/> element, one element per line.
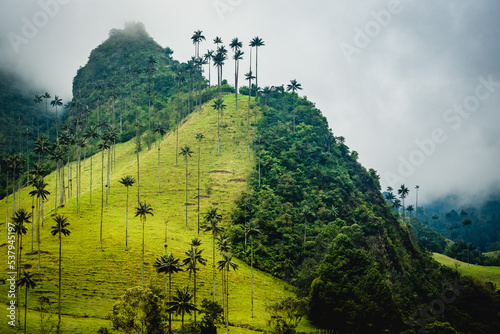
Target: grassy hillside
<point x="93" y="280"/>
<point x="482" y="273"/>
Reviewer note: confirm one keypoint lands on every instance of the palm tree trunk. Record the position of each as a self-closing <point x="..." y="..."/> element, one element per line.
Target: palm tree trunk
<point x="186" y="204"/>
<point x="55" y="197"/>
<point x="251" y="273"/>
<point x="199" y="158"/>
<point x="38" y="234"/>
<point x="126" y="224"/>
<point x="102" y="196"/>
<point x="91" y="180"/>
<point x="159" y="177"/>
<point x="142" y="282"/>
<point x="213" y="267"/>
<point x="170" y="299"/>
<point x="33" y="217"/>
<point x="108" y="175"/>
<point x="59" y="314"/>
<point x="25" y="307"/>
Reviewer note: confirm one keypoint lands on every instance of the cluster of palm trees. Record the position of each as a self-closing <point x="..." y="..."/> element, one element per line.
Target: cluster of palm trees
<point x="184" y="301"/>
<point x="397" y="203"/>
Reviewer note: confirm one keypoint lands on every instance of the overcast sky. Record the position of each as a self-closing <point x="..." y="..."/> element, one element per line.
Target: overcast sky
<point x="413" y="86"/>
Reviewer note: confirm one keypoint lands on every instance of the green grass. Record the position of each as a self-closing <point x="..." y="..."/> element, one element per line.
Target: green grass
<point x="93" y="280"/>
<point x="482" y="273"/>
<point x="492" y="254"/>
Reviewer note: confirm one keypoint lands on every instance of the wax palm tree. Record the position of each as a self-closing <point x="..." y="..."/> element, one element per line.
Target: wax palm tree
<point x="27" y="281"/>
<point x="390" y="197"/>
<point x="57" y="154"/>
<point x="208" y="58"/>
<point x="151" y="67"/>
<point x="403" y="193"/>
<point x="218" y="59"/>
<point x="410" y="209"/>
<point x="256" y="42"/>
<point x="41" y="194"/>
<point x="212" y="220"/>
<point x="186" y="153"/>
<point x="194" y="256"/>
<point x="218" y="105"/>
<point x="396" y="204"/>
<point x="249" y="77"/>
<point x="59" y="229"/>
<point x="127" y="181"/>
<point x="90" y="134"/>
<point x="236" y="45"/>
<point x="56" y="102"/>
<point x="110" y="136"/>
<point x="417" y="187"/>
<point x="142" y="210"/>
<point x="227" y="264"/>
<point x="38" y="99"/>
<point x="293" y="86"/>
<point x="21" y="216"/>
<point x="258" y="142"/>
<point x="41" y="146"/>
<point x="168" y="264"/>
<point x="182" y="304"/>
<point x="199" y="138"/>
<point x="161" y="131"/>
<point x="467" y="223"/>
<point x="252" y="229"/>
<point x="217" y="41"/>
<point x="47" y="96"/>
<point x="197" y="38"/>
<point x="103" y="145"/>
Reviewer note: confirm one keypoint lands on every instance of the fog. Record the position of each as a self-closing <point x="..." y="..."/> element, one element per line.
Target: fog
<point x="413" y="86"/>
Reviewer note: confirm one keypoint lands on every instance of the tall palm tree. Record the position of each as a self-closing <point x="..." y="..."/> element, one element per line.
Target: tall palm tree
<point x="47" y="96"/>
<point x="142" y="210"/>
<point x="182" y="304"/>
<point x="110" y="136"/>
<point x="197" y="38"/>
<point x="21" y="216"/>
<point x="403" y="193"/>
<point x="217" y="41"/>
<point x="194" y="256"/>
<point x="161" y="131"/>
<point x="127" y="181"/>
<point x="168" y="264"/>
<point x="218" y="59"/>
<point x="256" y="42"/>
<point x="236" y="45"/>
<point x="410" y="209"/>
<point x="90" y="134"/>
<point x="293" y="86"/>
<point x="103" y="145"/>
<point x="38" y="99"/>
<point x="56" y="102"/>
<point x="258" y="142"/>
<point x="396" y="204"/>
<point x="417" y="187"/>
<point x="59" y="229"/>
<point x="199" y="138"/>
<point x="208" y="58"/>
<point x="227" y="264"/>
<point x="27" y="281"/>
<point x="186" y="153"/>
<point x="467" y="223"/>
<point x="151" y="67"/>
<point x="218" y="105"/>
<point x="249" y="77"/>
<point x="41" y="193"/>
<point x="212" y="220"/>
<point x="252" y="229"/>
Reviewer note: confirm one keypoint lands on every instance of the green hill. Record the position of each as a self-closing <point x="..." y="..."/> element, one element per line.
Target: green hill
<point x="483" y="273"/>
<point x="94" y="280"/>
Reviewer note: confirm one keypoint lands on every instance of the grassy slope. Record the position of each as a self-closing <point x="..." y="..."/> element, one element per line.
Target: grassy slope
<point x="482" y="273"/>
<point x="492" y="254"/>
<point x="94" y="280"/>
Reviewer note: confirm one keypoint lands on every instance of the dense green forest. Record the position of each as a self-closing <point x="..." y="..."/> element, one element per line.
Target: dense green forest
<point x="311" y="214"/>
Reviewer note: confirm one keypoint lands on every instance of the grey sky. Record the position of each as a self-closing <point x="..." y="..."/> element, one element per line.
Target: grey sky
<point x="387" y="74"/>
